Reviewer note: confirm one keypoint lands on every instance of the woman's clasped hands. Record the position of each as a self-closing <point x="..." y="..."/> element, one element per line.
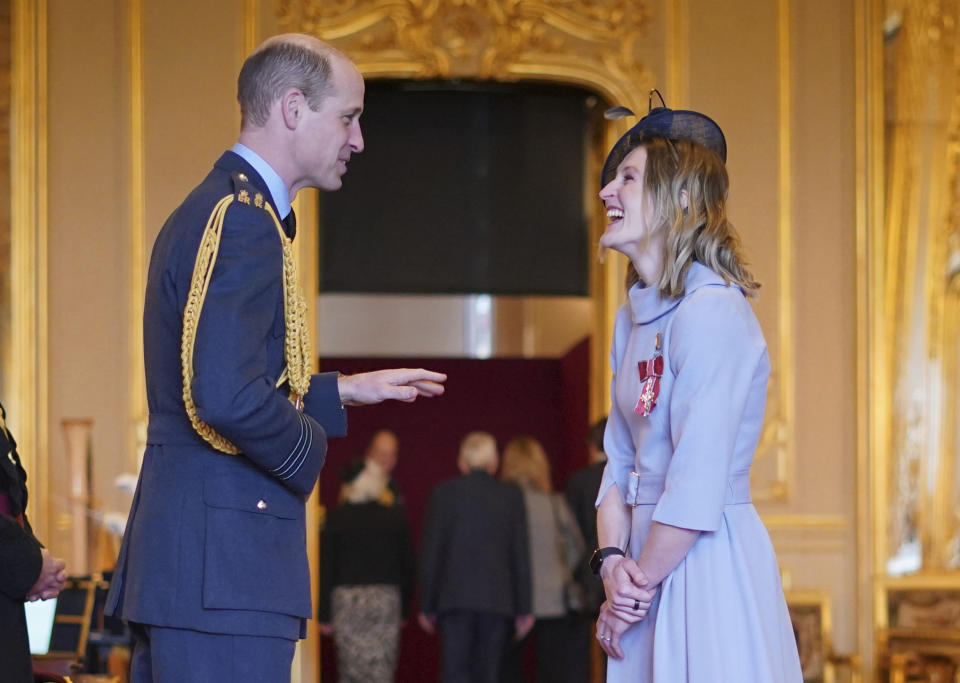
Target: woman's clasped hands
<point x="629" y="596"/>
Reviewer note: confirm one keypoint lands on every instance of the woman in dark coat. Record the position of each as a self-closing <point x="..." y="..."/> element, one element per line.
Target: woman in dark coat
<point x="367" y="577"/>
<point x="27" y="570"/>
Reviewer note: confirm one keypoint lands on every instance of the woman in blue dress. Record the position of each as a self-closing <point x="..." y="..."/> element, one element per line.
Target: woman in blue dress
<point x="693" y="590"/>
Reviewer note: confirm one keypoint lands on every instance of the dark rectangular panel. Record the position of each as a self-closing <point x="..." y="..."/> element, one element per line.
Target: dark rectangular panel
<point x="462" y="188"/>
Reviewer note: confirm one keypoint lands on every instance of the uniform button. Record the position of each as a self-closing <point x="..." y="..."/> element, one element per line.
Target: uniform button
<point x="261" y="504"/>
<point x="243" y="178"/>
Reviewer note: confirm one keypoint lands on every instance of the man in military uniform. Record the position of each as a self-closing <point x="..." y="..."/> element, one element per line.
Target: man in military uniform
<point x="213" y="572"/>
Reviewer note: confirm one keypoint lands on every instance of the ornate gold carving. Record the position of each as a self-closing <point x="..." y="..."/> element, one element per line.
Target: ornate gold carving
<point x="920" y="306"/>
<point x="594" y="43"/>
<point x="949" y="252"/>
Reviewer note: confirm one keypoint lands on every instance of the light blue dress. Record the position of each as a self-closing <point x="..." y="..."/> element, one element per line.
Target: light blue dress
<point x="721" y="614"/>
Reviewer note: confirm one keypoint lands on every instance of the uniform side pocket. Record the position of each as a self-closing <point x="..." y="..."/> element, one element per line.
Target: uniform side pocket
<point x="255" y="549"/>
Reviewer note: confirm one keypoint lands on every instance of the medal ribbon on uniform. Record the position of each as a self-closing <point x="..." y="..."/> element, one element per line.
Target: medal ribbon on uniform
<point x="650" y="373"/>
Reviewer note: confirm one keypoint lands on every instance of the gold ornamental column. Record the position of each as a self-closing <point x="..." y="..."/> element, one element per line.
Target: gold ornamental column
<point x="28" y="401"/>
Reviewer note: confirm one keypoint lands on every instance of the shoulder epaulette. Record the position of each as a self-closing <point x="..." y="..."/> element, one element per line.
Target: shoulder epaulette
<point x="246" y="192"/>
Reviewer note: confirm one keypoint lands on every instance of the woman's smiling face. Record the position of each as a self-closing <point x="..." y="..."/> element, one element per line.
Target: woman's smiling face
<point x="630" y="212"/>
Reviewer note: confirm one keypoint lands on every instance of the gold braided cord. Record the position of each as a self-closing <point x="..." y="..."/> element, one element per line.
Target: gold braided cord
<point x="296" y="343"/>
<point x="297" y="338"/>
<point x="199" y="284"/>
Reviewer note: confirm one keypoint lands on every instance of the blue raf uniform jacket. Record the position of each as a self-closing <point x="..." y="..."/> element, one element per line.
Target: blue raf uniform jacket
<point x="216" y="542"/>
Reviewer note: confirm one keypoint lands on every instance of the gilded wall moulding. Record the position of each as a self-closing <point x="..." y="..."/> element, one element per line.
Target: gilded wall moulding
<point x="592" y="43"/>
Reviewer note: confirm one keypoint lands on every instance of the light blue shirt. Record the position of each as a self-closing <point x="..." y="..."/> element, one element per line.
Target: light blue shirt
<point x="278" y="190"/>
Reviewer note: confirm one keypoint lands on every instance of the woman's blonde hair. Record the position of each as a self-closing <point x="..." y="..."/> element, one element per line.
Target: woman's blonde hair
<point x="525" y="463"/>
<point x="701" y="232"/>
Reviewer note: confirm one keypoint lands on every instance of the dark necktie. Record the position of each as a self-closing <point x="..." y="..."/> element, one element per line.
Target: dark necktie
<point x="290" y="224"/>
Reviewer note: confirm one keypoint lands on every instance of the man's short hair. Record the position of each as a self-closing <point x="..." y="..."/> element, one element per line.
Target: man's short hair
<point x="478" y="450"/>
<point x="274" y="69"/>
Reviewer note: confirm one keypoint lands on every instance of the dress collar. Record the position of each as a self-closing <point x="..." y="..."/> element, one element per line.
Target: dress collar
<point x="646" y="304"/>
<point x="276" y="186"/>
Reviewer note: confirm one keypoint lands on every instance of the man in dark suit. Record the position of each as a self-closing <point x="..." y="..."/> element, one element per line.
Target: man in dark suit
<point x="475" y="567"/>
<point x="213" y="572"/>
<point x="27" y="570"/>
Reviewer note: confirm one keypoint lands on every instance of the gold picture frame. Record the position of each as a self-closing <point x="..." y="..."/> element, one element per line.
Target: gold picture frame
<point x="812" y="619"/>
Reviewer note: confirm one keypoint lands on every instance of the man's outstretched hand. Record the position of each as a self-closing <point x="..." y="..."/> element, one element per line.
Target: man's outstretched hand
<point x="399" y="384"/>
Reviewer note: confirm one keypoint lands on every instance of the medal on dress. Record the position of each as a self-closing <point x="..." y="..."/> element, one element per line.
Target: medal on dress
<point x="650" y="373"/>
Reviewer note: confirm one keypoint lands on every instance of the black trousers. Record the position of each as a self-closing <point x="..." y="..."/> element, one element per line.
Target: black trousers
<point x="473" y="645"/>
<point x="562" y="648"/>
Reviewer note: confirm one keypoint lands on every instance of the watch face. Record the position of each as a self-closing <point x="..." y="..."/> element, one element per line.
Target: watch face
<point x="595" y="561"/>
<point x="599" y="555"/>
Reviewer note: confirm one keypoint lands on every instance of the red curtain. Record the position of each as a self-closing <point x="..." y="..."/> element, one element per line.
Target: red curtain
<point x="547" y="399"/>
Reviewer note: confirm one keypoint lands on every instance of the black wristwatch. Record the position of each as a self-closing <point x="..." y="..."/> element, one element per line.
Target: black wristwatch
<point x="599" y="555"/>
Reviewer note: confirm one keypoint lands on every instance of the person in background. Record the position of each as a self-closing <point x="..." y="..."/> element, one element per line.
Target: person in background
<point x="581" y="491"/>
<point x="367" y="566"/>
<point x="383" y="451"/>
<point x="582" y="487"/>
<point x="27" y="570"/>
<point x="475" y="566"/>
<point x="556" y="548"/>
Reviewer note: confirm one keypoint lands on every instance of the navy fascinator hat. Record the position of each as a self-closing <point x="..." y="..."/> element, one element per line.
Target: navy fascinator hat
<point x="661" y="122"/>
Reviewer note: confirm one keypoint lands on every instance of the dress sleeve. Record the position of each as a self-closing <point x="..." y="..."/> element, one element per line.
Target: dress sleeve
<point x="715" y="353"/>
<point x="617" y="441"/>
<point x="21" y="559"/>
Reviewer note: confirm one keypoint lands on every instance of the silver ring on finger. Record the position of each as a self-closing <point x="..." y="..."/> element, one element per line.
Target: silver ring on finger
<point x="636" y="605"/>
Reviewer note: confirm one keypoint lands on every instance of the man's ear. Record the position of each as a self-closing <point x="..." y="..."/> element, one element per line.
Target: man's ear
<point x="684" y="199"/>
<point x="292" y="105"/>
